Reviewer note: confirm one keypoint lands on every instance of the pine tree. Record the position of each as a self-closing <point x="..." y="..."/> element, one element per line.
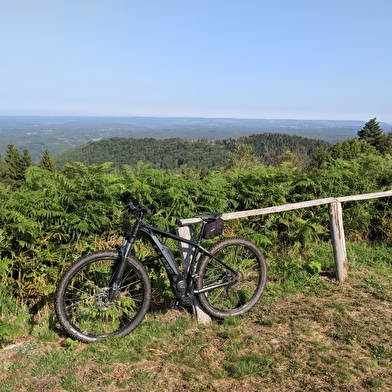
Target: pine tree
<point x="16" y="165"/>
<point x="3" y="170"/>
<point x="26" y="160"/>
<point x="373" y="134"/>
<point x="47" y="162"/>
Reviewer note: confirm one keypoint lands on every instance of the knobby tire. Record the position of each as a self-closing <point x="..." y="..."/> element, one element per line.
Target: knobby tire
<point x="241" y="293"/>
<point x="81" y="297"/>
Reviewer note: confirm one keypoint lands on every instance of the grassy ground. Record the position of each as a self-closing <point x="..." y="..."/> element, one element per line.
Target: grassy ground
<point x="307" y="333"/>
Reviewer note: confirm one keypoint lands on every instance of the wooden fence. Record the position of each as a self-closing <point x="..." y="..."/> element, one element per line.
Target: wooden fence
<point x="335" y="217"/>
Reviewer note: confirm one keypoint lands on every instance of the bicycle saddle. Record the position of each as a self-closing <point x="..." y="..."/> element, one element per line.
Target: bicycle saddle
<point x="209" y="217"/>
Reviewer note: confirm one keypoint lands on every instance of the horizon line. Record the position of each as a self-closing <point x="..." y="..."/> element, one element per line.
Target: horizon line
<point x="182" y="117"/>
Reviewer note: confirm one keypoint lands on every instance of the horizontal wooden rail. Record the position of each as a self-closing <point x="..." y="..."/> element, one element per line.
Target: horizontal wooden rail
<point x="291" y="206"/>
<point x="336" y="223"/>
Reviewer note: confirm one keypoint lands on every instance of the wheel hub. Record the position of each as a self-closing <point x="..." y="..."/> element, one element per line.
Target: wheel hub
<point x="102" y="301"/>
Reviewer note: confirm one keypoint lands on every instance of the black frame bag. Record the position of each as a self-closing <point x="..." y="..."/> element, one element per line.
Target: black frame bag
<point x="213" y="229"/>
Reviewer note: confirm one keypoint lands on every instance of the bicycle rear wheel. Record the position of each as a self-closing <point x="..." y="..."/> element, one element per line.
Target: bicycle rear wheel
<point x="239" y="290"/>
<point x="81" y="302"/>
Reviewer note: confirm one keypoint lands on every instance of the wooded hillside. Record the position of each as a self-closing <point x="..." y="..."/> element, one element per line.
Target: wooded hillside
<point x="268" y="149"/>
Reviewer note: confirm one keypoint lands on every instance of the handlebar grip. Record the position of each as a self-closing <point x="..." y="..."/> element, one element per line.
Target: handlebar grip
<point x="144" y="209"/>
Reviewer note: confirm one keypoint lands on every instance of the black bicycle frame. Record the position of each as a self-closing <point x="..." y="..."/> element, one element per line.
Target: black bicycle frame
<point x="166" y="256"/>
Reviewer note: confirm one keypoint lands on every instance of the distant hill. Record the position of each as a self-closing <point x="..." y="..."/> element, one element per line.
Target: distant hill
<point x="177" y="153"/>
<point x="58" y="134"/>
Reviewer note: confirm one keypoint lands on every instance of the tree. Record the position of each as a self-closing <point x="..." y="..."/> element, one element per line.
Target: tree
<point x="373" y="134"/>
<point x="244" y="157"/>
<point x="16" y="165"/>
<point x="3" y="170"/>
<point x="347" y="150"/>
<point x="47" y="162"/>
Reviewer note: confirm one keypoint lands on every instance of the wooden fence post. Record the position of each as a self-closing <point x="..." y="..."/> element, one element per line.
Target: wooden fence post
<point x="186" y="252"/>
<point x="338" y="240"/>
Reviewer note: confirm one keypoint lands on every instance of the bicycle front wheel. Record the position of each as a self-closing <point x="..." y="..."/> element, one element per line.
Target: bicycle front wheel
<point x="82" y="304"/>
<point x="233" y="280"/>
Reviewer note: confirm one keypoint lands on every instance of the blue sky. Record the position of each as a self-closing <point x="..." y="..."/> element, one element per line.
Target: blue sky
<point x="280" y="59"/>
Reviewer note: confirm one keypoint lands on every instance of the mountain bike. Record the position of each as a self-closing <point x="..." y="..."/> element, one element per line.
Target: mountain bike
<point x="107" y="293"/>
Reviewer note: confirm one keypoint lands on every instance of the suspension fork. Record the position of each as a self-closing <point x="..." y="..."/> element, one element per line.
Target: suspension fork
<point x="119" y="266"/>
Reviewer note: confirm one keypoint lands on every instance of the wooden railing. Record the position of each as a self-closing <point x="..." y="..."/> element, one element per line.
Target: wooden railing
<point x="335" y="217"/>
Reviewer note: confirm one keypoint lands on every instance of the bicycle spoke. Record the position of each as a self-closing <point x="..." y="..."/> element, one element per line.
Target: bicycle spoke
<point x="86" y="306"/>
<point x="242" y="288"/>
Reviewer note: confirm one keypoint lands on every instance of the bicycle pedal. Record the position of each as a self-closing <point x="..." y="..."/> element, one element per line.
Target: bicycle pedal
<point x="175" y="304"/>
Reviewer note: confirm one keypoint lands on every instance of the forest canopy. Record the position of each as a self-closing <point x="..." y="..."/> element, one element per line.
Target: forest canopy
<point x="174" y="153"/>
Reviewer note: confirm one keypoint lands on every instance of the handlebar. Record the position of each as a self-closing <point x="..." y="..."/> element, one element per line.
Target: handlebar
<point x="139" y="209"/>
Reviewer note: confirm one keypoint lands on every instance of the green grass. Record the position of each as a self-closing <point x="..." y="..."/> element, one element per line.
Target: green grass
<point x="307" y="333"/>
